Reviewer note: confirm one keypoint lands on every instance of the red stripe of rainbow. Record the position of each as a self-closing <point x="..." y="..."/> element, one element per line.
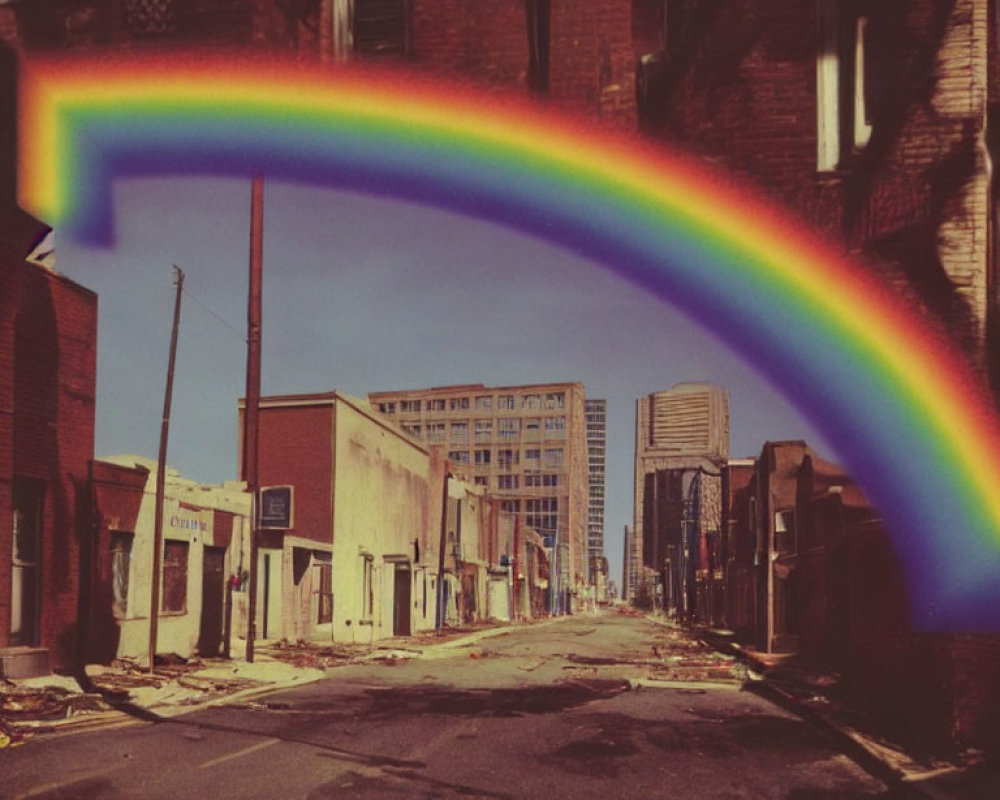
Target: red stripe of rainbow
<point x="909" y="418"/>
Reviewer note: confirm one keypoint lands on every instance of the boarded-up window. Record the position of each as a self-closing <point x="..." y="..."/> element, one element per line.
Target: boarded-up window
<point x="175" y="569"/>
<point x="121" y="561"/>
<point x="380" y="28"/>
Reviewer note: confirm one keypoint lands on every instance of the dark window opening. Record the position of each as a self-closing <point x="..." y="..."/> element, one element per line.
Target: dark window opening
<point x="539" y="35"/>
<point x="175" y="568"/>
<point x="380" y="27"/>
<point x="121" y="561"/>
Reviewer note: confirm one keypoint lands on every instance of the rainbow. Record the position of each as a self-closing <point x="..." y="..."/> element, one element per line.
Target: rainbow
<point x="909" y="419"/>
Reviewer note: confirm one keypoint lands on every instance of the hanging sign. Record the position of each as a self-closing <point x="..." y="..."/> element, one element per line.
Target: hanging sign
<point x="275" y="504"/>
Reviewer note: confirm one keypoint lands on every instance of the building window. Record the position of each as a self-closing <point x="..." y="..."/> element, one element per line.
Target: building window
<point x="458" y="404"/>
<point x="506" y="458"/>
<point x="843" y="123"/>
<point x="532" y="429"/>
<point x="28" y="500"/>
<point x="555" y="428"/>
<point x="535" y="480"/>
<point x="484" y="431"/>
<point x="435" y="432"/>
<point x="531" y="401"/>
<point x="532" y="455"/>
<point x="459" y="456"/>
<point x="412" y="430"/>
<point x="506" y="402"/>
<point x="121" y="561"/>
<point x="460" y="431"/>
<point x="539" y="22"/>
<point x="387" y="408"/>
<point x="380" y="27"/>
<point x="482" y="457"/>
<point x="409" y="406"/>
<point x="510" y="506"/>
<point x="555" y="400"/>
<point x="508" y="428"/>
<point x="435" y="405"/>
<point x="507" y="481"/>
<point x="150" y="17"/>
<point x="367" y="588"/>
<point x="553" y="458"/>
<point x="175" y="573"/>
<point x="484" y="402"/>
<point x="481" y="480"/>
<point x="784" y="531"/>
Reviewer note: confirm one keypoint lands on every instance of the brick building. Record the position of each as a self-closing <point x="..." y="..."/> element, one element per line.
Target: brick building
<point x="812" y="574"/>
<point x="737" y="547"/>
<point x="526" y="444"/>
<point x="867" y="119"/>
<point x="379" y="523"/>
<point x="579" y="58"/>
<point x="48" y="346"/>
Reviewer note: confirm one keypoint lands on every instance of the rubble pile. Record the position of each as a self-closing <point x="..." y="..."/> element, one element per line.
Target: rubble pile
<point x="25" y="710"/>
<point x="308" y="654"/>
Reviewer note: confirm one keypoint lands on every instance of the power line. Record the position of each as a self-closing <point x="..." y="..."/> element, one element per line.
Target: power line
<point x="237" y="331"/>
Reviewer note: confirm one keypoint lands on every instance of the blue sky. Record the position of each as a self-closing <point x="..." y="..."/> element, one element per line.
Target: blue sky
<point x="364" y="294"/>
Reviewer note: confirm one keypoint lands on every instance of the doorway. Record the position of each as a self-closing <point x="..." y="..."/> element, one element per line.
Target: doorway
<point x="213" y="598"/>
<point x="401" y="601"/>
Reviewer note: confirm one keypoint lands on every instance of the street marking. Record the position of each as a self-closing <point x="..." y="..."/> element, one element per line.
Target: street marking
<point x="214" y="762"/>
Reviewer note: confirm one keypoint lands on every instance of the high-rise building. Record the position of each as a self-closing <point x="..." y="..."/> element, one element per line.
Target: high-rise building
<point x="679" y="434"/>
<point x="596" y="449"/>
<point x="526" y="444"/>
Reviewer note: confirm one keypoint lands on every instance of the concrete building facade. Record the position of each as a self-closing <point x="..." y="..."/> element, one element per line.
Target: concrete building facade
<point x="526" y="444"/>
<point x="680" y="434"/>
<point x="205" y="554"/>
<point x="596" y="469"/>
<point x="360" y="560"/>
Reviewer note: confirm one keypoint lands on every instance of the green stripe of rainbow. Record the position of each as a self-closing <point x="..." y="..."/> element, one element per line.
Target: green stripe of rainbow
<point x="909" y="418"/>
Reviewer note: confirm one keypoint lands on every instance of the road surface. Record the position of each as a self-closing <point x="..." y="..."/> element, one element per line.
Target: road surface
<point x="562" y="709"/>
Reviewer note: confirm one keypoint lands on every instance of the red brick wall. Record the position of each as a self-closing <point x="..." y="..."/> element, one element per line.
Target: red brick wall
<point x="53" y="354"/>
<point x="591" y="64"/>
<point x="741" y="91"/>
<point x="296" y="449"/>
<point x="486" y="41"/>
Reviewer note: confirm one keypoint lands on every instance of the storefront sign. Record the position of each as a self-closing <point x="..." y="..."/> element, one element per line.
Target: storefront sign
<point x="276" y="508"/>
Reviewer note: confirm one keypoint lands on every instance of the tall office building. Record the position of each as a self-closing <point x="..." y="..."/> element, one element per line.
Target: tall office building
<point x="596" y="448"/>
<point x="679" y="434"/>
<point x="526" y="444"/>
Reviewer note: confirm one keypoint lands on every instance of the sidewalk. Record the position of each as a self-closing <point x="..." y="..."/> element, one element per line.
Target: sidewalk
<point x="912" y="769"/>
<point x="124" y="692"/>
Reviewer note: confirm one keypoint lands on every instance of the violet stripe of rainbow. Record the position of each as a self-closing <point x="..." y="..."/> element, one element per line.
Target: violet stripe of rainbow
<point x="907" y="417"/>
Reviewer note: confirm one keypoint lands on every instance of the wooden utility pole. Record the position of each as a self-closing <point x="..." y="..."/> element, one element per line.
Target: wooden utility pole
<point x="441" y="615"/>
<point x="251" y="412"/>
<point x="161" y="475"/>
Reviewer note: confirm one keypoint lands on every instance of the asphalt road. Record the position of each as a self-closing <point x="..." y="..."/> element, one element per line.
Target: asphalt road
<point x="556" y="710"/>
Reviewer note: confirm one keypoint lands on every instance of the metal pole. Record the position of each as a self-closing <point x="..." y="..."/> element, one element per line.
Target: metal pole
<point x="251" y="412"/>
<point x="441" y="610"/>
<point x="161" y="474"/>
